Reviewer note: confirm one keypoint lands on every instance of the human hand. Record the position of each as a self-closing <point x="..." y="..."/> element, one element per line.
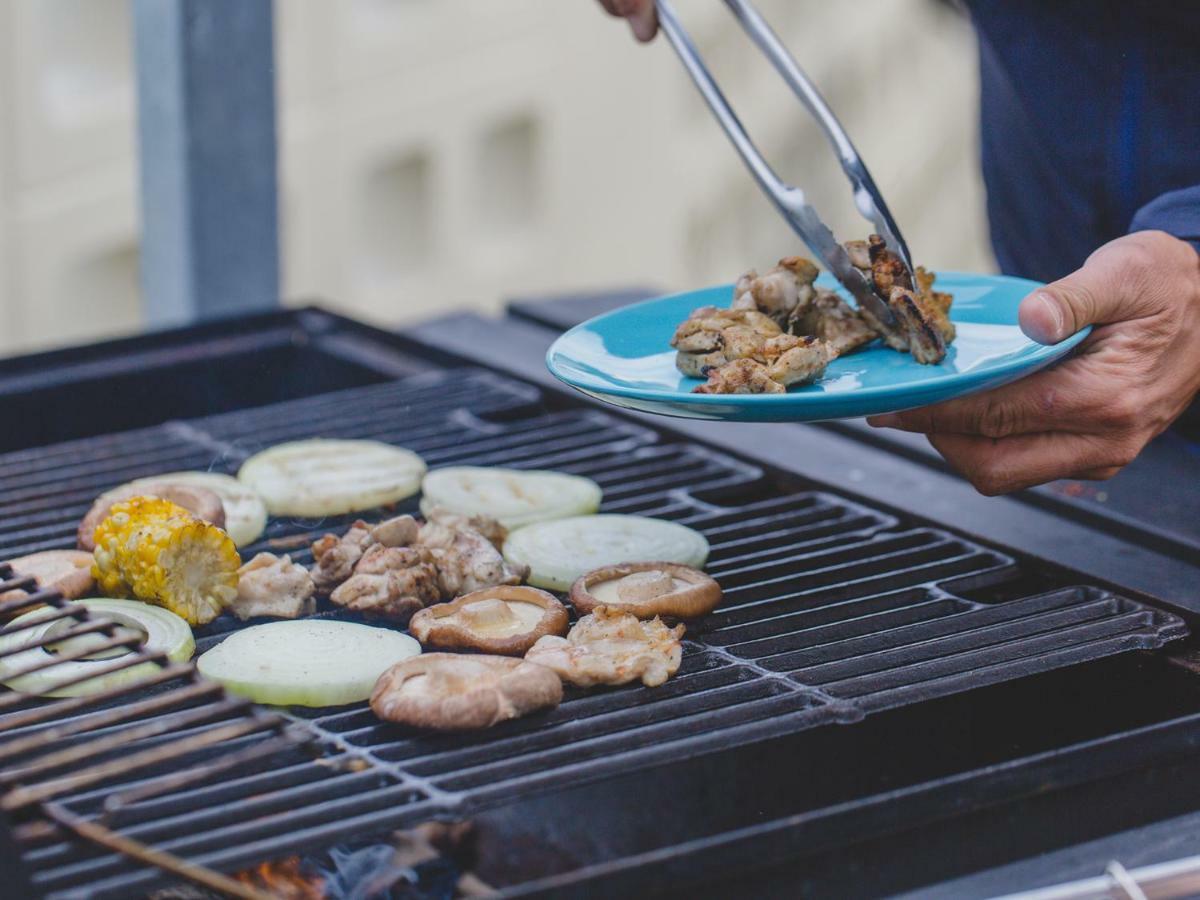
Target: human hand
<point x="1092" y="414"/>
<point x="640" y="13"/>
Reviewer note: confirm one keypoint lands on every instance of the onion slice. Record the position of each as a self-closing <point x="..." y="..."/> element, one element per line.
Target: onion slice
<point x="165" y="633"/>
<point x="309" y="662"/>
<point x="245" y="512"/>
<point x="321" y="477"/>
<point x="514" y="497"/>
<point x="559" y="552"/>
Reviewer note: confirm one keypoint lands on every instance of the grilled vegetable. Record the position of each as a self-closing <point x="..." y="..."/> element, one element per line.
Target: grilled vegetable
<point x="200" y="502"/>
<point x="164" y="633"/>
<point x="512" y="496"/>
<point x="245" y="512"/>
<point x="559" y="552"/>
<point x="157" y="552"/>
<point x="312" y="662"/>
<point x="327" y="478"/>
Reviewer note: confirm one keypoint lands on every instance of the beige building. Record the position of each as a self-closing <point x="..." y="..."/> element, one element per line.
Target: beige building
<point x="447" y="153"/>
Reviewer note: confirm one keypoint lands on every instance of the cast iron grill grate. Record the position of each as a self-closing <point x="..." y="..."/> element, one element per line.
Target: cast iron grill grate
<point x="833" y="610"/>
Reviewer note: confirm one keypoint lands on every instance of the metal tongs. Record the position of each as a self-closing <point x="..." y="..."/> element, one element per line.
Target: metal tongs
<point x="790" y="200"/>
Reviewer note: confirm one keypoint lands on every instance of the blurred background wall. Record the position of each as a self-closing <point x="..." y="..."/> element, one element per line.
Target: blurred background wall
<point x="437" y="154"/>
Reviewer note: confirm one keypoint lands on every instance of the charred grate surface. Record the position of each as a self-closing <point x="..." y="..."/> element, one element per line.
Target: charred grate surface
<point x="832" y="610"/>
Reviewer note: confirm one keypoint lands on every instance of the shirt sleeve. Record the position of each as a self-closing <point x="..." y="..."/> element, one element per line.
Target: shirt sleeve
<point x="1175" y="212"/>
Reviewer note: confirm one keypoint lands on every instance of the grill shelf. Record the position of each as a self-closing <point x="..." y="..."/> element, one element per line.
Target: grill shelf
<point x="833" y="611"/>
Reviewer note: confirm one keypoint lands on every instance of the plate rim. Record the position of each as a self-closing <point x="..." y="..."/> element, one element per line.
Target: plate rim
<point x="1041" y="355"/>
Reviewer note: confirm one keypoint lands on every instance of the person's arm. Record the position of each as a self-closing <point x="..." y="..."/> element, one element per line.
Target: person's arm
<point x="1176" y="212"/>
<point x="1093" y="413"/>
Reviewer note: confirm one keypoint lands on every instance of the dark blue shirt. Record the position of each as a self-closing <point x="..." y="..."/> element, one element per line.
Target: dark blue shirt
<point x="1090" y="125"/>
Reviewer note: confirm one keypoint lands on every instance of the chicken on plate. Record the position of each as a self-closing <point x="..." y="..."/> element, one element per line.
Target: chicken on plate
<point x="781" y="330"/>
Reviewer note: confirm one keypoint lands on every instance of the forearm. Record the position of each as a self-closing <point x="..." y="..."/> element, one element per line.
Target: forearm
<point x="1175" y="212"/>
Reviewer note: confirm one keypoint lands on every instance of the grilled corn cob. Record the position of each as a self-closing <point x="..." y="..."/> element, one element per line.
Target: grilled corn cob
<point x="154" y="551"/>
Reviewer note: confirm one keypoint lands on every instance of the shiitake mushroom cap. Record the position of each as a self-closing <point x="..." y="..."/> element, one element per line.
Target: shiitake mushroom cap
<point x="461" y="692"/>
<point x="699" y="598"/>
<point x="429" y="626"/>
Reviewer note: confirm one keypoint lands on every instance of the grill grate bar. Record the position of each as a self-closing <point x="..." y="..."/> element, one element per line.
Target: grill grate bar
<point x="905" y="669"/>
<point x="106" y="718"/>
<point x="770" y="650"/>
<point x="832" y="589"/>
<point x="960" y="629"/>
<point x="25" y="796"/>
<point x="657" y="735"/>
<point x="123" y="739"/>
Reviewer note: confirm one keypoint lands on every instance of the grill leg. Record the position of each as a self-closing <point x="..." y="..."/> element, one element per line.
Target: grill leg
<point x="206" y="132"/>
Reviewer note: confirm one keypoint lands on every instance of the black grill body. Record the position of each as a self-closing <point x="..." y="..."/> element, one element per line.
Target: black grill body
<point x="873" y="680"/>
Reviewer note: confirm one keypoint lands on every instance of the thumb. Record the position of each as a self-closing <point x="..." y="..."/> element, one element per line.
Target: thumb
<point x="1058" y="310"/>
<point x="1096" y="294"/>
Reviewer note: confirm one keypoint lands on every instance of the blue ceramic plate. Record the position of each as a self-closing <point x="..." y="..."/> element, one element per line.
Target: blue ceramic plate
<point x="624" y="357"/>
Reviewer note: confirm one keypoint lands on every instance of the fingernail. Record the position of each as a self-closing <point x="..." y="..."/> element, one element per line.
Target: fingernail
<point x="887" y="420"/>
<point x="1052" y="313"/>
<point x="644" y="24"/>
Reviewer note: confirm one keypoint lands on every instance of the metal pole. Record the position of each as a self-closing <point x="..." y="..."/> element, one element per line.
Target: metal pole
<point x="206" y="134"/>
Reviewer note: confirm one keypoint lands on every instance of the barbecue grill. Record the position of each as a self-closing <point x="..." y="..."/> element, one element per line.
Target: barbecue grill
<point x="898" y="688"/>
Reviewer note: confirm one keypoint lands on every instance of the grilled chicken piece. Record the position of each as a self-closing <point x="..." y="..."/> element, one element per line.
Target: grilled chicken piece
<point x="701" y="331"/>
<point x="398" y="532"/>
<point x="712" y="337"/>
<point x="612" y="647"/>
<point x="939" y="303"/>
<point x="336" y="556"/>
<point x="392" y="582"/>
<point x="796" y="360"/>
<point x="271" y="585"/>
<point x="467" y="561"/>
<point x="780" y="361"/>
<point x="923" y="324"/>
<point x="887" y="269"/>
<point x="741" y="376"/>
<point x="859" y="253"/>
<point x="400" y="566"/>
<point x="781" y="293"/>
<point x="485" y="525"/>
<point x="834" y="321"/>
<point x="697" y="365"/>
<point x="918" y="317"/>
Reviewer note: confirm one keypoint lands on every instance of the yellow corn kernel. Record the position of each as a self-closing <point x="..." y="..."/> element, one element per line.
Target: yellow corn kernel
<point x="155" y="551"/>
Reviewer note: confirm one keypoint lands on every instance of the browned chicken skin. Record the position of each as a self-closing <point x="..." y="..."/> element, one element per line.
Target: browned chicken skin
<point x="923" y="326"/>
<point x="392" y="582"/>
<point x="400" y="566"/>
<point x="742" y="376"/>
<point x="834" y="321"/>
